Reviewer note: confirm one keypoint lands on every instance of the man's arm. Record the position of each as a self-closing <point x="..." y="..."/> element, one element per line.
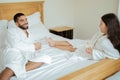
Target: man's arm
<point x="14" y="41"/>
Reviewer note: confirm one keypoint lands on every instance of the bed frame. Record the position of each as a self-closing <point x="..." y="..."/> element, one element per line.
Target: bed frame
<point x="97" y="71"/>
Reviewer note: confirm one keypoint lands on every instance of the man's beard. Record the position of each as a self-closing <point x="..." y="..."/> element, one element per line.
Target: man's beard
<point x="22" y="27"/>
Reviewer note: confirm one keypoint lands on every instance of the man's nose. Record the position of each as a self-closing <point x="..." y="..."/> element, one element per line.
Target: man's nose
<point x="26" y="22"/>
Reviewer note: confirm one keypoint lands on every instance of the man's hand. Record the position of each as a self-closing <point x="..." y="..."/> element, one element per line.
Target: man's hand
<point x="37" y="46"/>
<point x="89" y="50"/>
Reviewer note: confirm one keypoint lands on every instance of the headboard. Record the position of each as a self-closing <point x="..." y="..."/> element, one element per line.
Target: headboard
<point x="8" y="10"/>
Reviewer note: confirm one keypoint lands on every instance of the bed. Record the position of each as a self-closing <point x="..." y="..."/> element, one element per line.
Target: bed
<point x="64" y="69"/>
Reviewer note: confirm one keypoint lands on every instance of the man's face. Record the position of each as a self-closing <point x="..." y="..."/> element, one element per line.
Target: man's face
<point x="22" y="22"/>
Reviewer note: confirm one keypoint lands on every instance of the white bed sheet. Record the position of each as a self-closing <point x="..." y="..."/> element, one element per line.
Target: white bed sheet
<point x="55" y="71"/>
<point x="1" y="56"/>
<point x="59" y="67"/>
<point x="61" y="64"/>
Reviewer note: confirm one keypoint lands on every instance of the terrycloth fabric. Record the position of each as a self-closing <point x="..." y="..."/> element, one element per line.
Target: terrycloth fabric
<point x="100" y="44"/>
<point x="20" y="49"/>
<point x="14" y="60"/>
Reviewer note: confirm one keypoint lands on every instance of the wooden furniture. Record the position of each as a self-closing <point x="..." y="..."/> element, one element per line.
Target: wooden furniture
<point x="8" y="10"/>
<point x="97" y="71"/>
<point x="64" y="31"/>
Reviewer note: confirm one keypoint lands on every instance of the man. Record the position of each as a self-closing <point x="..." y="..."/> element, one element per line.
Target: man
<point x="20" y="55"/>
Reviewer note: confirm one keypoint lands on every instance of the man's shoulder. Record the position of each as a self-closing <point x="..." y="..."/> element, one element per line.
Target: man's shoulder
<point x="12" y="30"/>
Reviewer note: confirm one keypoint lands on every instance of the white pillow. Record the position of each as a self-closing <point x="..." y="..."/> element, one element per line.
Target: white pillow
<point x="11" y="24"/>
<point x="3" y="35"/>
<point x="1" y="59"/>
<point x="38" y="31"/>
<point x="36" y="28"/>
<point x="33" y="19"/>
<point x="3" y="23"/>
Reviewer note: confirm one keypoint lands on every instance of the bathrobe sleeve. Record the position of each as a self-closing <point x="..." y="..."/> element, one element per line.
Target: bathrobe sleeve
<point x="106" y="50"/>
<point x="14" y="41"/>
<point x="13" y="59"/>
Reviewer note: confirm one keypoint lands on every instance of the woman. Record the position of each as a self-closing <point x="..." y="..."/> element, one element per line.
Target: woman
<point x="104" y="45"/>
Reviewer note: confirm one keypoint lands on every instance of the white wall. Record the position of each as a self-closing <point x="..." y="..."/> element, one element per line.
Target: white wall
<point x="59" y="13"/>
<point x="119" y="10"/>
<point x="10" y="1"/>
<point x="83" y="15"/>
<point x="88" y="14"/>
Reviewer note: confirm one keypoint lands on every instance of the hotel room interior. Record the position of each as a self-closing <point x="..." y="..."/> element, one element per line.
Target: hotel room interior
<point x="78" y="19"/>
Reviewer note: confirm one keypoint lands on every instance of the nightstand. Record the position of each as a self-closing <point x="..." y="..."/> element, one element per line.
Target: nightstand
<point x="63" y="31"/>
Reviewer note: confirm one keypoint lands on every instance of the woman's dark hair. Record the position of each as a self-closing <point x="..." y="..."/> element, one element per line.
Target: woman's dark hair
<point x="113" y="29"/>
<point x="17" y="16"/>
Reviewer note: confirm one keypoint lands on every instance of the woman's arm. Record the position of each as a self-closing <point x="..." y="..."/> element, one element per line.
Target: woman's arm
<point x="107" y="51"/>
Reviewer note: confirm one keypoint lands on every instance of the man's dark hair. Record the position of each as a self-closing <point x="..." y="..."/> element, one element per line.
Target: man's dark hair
<point x="17" y="16"/>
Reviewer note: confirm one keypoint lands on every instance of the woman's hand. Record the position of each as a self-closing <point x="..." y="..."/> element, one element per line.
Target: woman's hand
<point x="89" y="50"/>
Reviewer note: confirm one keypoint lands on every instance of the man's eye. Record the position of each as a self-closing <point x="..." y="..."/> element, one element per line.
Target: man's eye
<point x="21" y="20"/>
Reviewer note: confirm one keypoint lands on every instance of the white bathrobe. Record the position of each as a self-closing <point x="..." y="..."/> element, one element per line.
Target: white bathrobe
<point x="100" y="44"/>
<point x="20" y="49"/>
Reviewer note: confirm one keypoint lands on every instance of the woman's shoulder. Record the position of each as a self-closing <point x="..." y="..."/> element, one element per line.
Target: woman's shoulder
<point x="105" y="41"/>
